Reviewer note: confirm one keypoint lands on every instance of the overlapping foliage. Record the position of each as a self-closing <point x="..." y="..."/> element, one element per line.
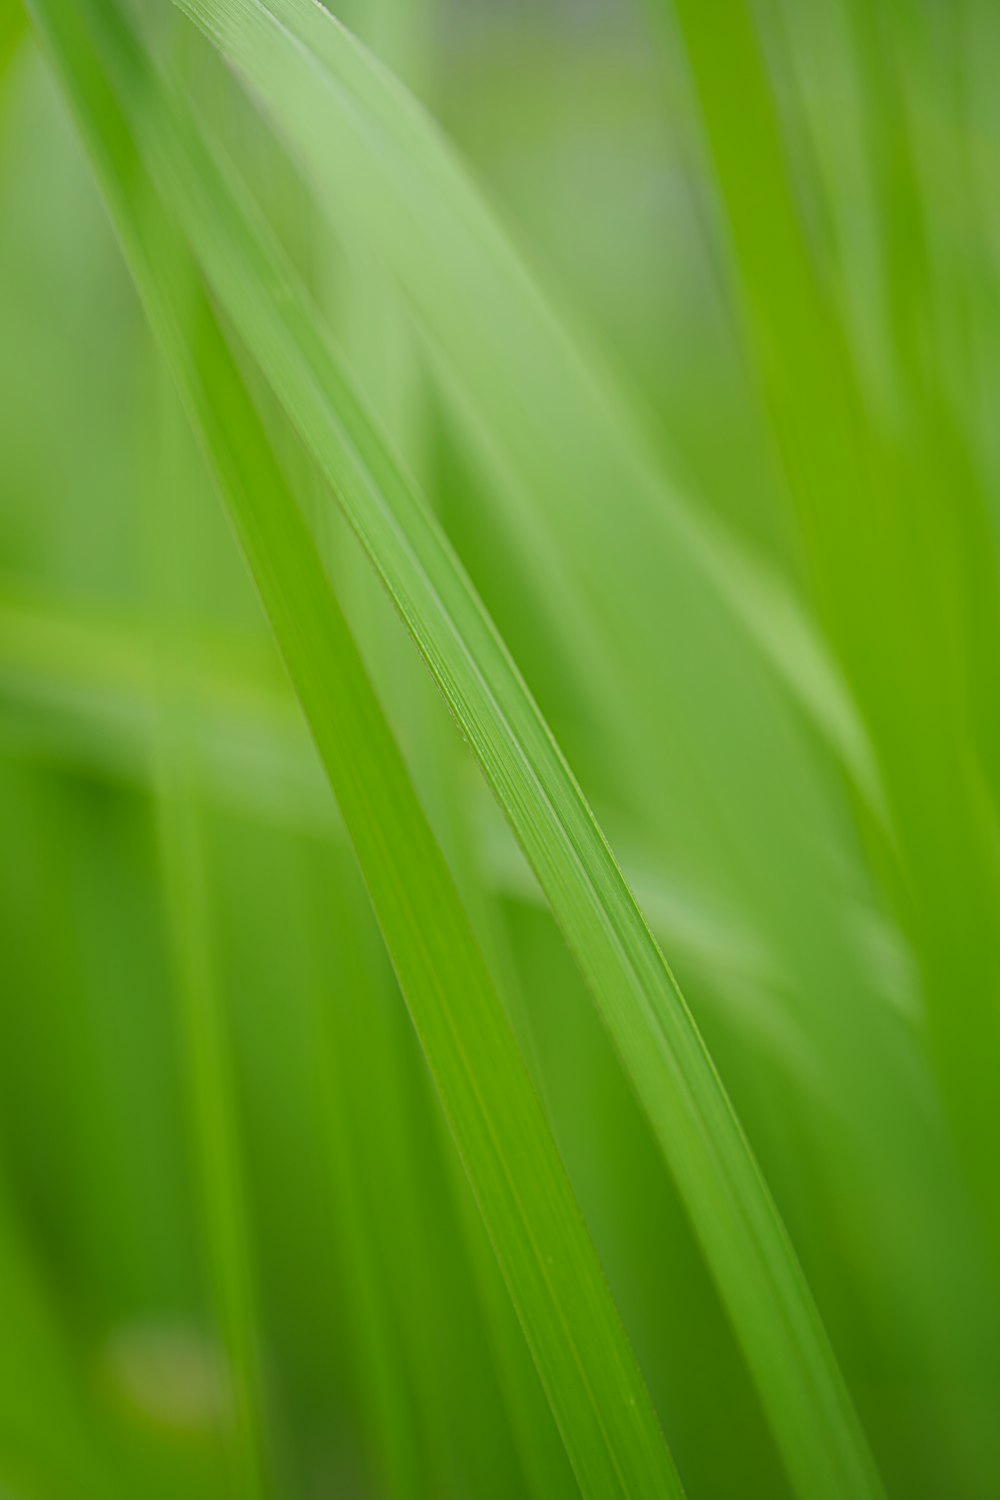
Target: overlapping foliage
<point x="783" y="718"/>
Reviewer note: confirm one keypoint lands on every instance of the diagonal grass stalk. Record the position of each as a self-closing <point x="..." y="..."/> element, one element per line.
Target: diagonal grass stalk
<point x="734" y="1217"/>
<point x="588" y="491"/>
<point x="597" y="1395"/>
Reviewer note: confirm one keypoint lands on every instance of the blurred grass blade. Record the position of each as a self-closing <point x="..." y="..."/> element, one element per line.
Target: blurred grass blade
<point x="39" y="1386"/>
<point x="79" y="690"/>
<point x="213" y="1110"/>
<point x="735" y="1219"/>
<point x="204" y="1026"/>
<point x="372" y="1171"/>
<point x="391" y="187"/>
<point x="918" y="632"/>
<point x="601" y="1405"/>
<point x="741" y="1232"/>
<point x="742" y="1235"/>
<point x="12" y="29"/>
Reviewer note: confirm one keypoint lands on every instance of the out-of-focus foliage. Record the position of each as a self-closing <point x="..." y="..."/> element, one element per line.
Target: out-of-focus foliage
<point x="719" y="458"/>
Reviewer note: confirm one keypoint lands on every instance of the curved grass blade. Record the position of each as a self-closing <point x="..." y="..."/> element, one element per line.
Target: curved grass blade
<point x="744" y="1241"/>
<point x="598" y="1397"/>
<point x="567" y="433"/>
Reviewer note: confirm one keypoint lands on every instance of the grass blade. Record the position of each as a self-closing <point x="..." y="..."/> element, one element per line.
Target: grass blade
<point x="393" y="189"/>
<point x="744" y="1241"/>
<point x="78" y="690"/>
<point x="600" y="1402"/>
<point x="876" y="500"/>
<point x="204" y="1026"/>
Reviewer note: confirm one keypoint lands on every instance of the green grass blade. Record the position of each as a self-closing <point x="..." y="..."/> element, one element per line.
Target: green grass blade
<point x="897" y="506"/>
<point x="203" y="1025"/>
<point x="382" y="350"/>
<point x="209" y="1085"/>
<point x="358" y="1064"/>
<point x="39" y="1386"/>
<point x="392" y="189"/>
<point x="12" y="29"/>
<point x="77" y="689"/>
<point x="600" y="1402"/>
<point x="743" y="1238"/>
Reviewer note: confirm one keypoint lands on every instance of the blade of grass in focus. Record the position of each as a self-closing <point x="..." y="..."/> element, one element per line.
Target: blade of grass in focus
<point x="670" y="627"/>
<point x="735" y="1219"/>
<point x="601" y="1404"/>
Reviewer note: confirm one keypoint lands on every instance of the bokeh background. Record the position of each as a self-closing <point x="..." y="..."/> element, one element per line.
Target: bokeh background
<point x="785" y="270"/>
